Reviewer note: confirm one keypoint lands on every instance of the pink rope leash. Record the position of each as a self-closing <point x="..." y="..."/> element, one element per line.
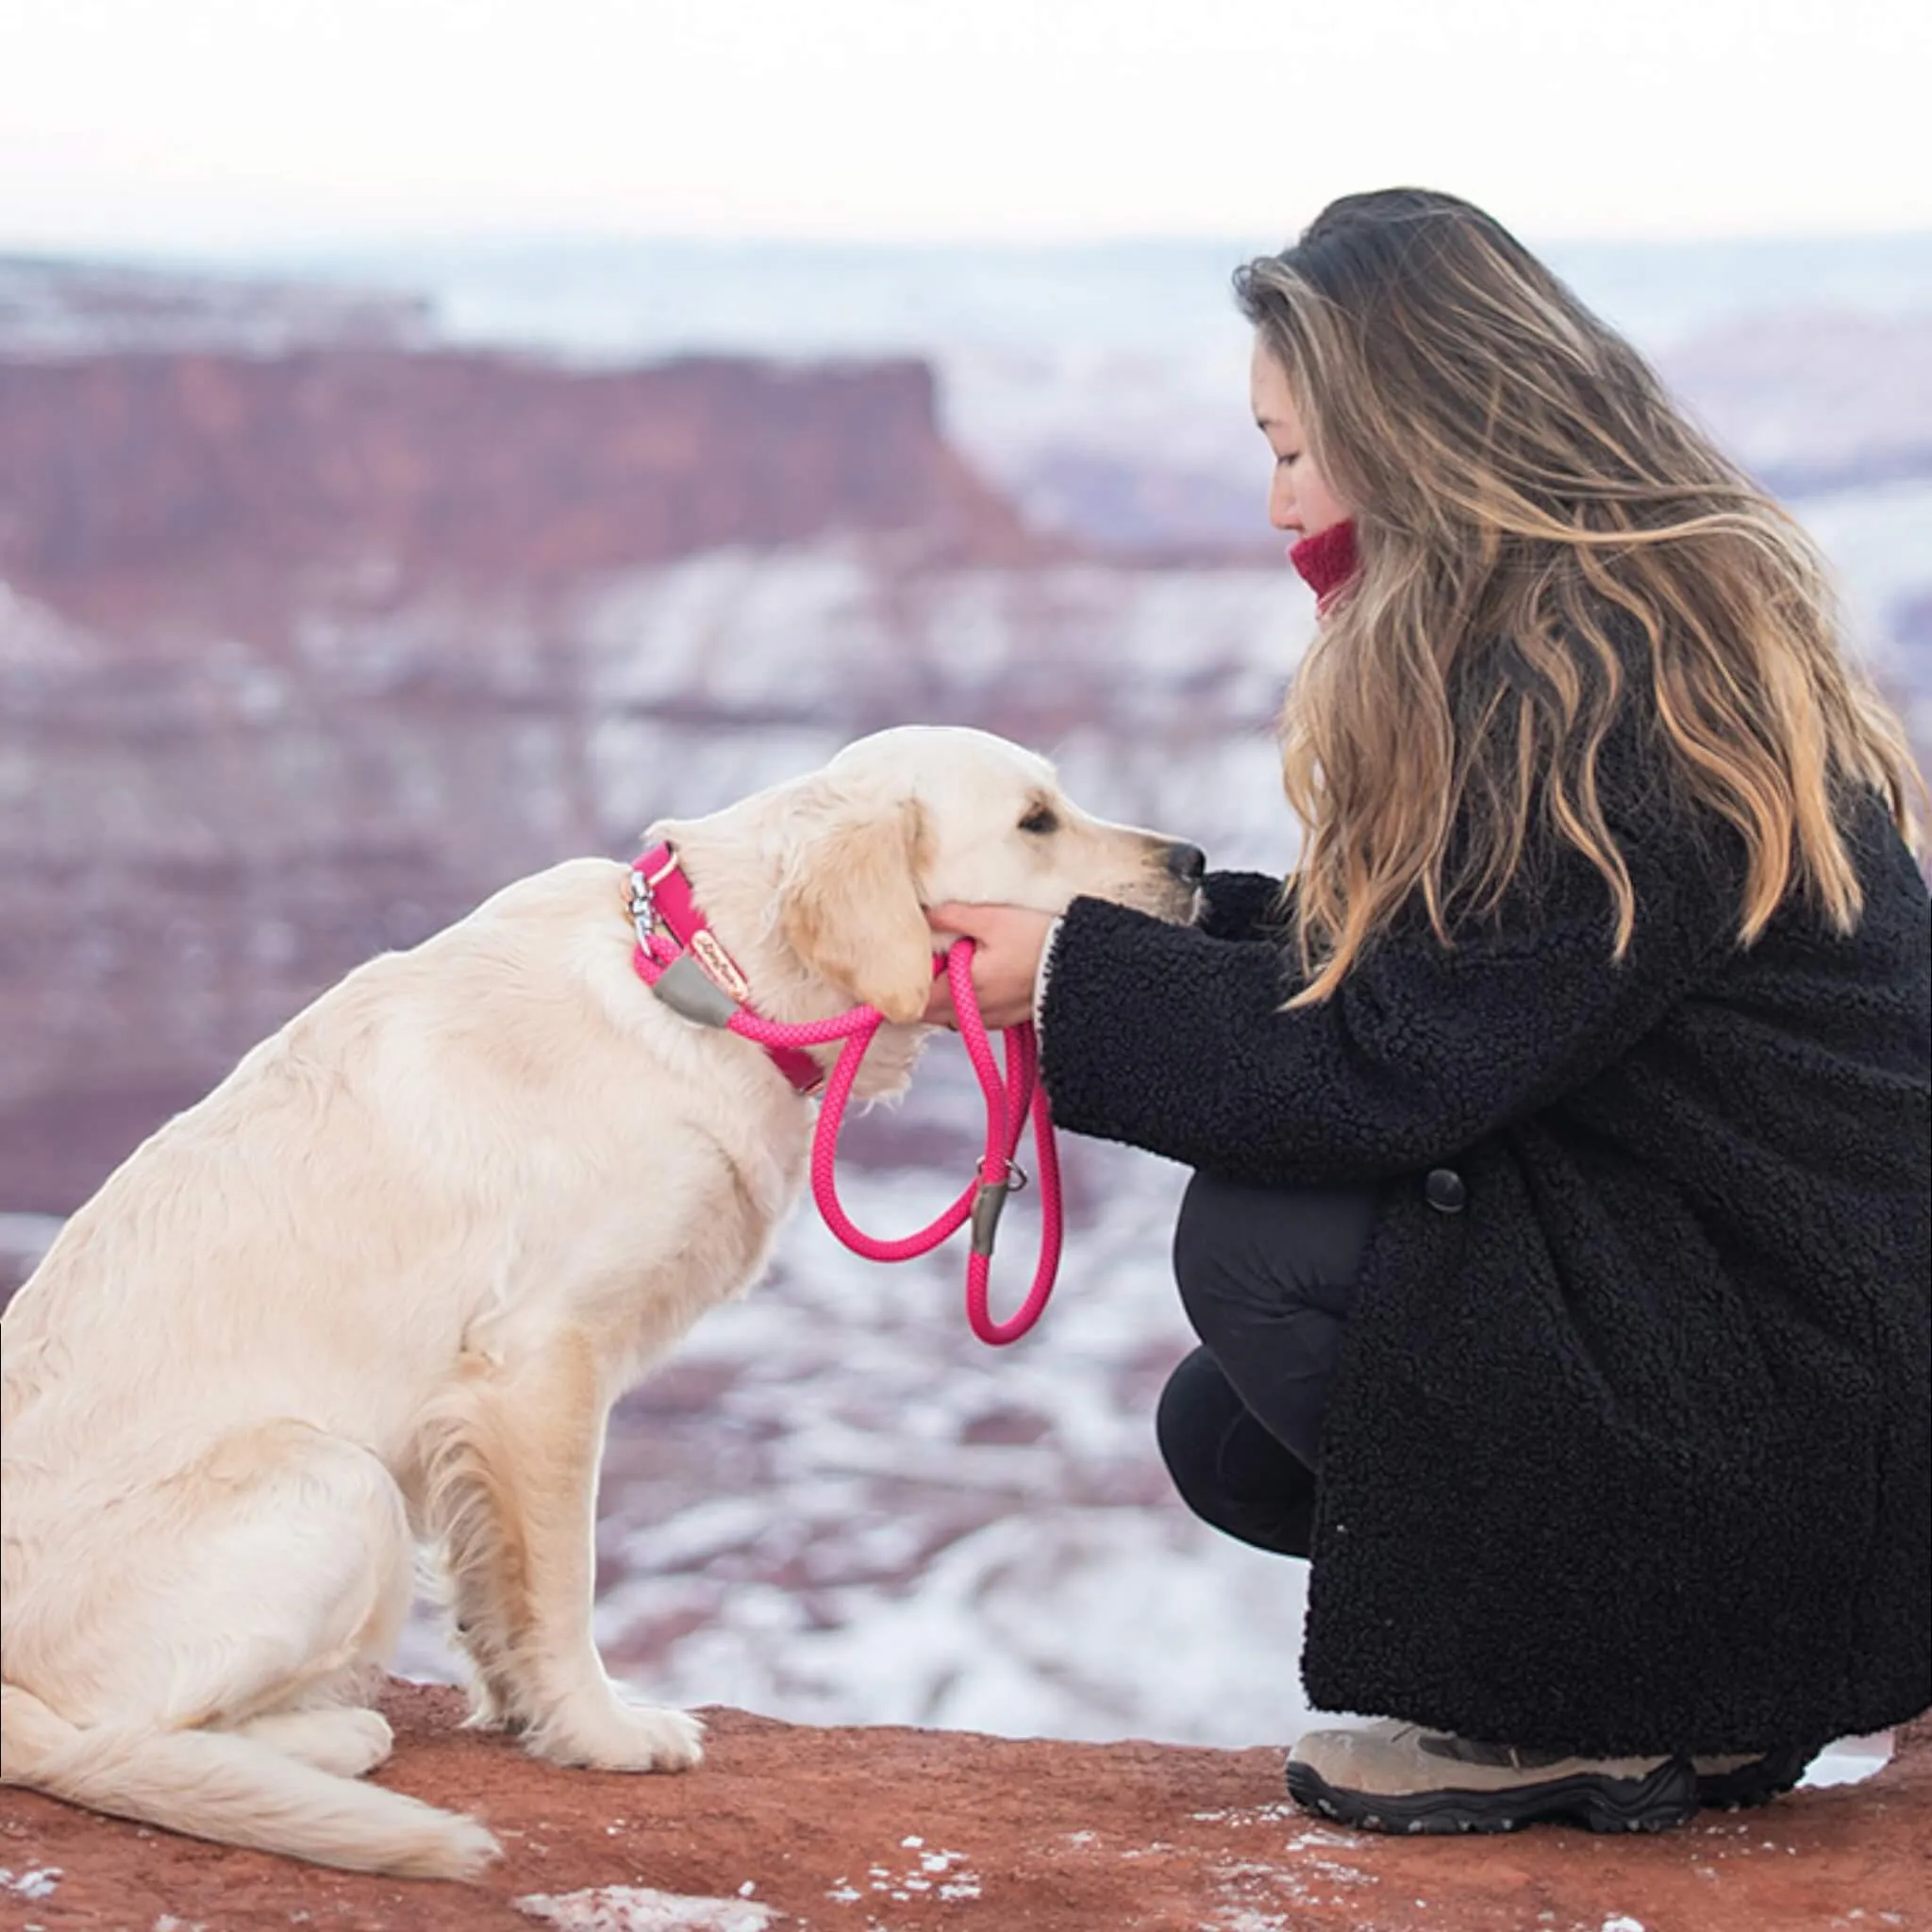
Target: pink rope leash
<point x="1010" y="1103"/>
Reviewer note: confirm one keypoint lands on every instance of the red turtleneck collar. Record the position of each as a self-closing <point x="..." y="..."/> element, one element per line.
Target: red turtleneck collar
<point x="1327" y="561"/>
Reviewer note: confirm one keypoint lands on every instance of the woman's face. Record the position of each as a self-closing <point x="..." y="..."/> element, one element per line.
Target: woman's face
<point x="1299" y="498"/>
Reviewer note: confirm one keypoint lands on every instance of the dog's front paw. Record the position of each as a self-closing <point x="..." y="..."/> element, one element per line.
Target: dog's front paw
<point x="621" y="1737"/>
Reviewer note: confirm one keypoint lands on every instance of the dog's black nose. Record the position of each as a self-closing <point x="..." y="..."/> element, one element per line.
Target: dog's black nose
<point x="1188" y="863"/>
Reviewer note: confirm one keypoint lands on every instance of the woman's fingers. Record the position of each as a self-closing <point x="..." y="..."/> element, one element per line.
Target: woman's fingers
<point x="956" y="919"/>
<point x="938" y="1001"/>
<point x="1005" y="961"/>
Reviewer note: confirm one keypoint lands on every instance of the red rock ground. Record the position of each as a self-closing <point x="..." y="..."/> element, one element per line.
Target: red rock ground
<point x="879" y="1830"/>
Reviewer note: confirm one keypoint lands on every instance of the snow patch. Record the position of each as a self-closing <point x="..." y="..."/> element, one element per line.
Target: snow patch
<point x="1322" y="1837"/>
<point x="1848" y="1761"/>
<point x="937" y="1874"/>
<point x="38" y="1883"/>
<point x="638" y="1908"/>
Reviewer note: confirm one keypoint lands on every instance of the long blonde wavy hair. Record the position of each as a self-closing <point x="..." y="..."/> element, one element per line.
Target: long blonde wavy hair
<point x="1524" y="494"/>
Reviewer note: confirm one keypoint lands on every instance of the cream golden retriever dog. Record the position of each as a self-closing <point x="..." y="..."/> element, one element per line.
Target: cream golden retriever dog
<point x="382" y="1286"/>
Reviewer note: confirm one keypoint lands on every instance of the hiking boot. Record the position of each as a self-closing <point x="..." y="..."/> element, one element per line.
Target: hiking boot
<point x="1750" y="1777"/>
<point x="1398" y="1778"/>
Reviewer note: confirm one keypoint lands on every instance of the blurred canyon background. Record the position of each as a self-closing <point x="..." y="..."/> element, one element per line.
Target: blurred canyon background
<point x="336" y="591"/>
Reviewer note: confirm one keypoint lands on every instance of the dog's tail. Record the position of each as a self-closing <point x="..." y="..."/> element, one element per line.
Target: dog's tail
<point x="222" y="1786"/>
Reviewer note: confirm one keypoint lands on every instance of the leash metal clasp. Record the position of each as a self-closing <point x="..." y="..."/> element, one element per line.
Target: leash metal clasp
<point x="643" y="896"/>
<point x="643" y="906"/>
<point x="989" y="1203"/>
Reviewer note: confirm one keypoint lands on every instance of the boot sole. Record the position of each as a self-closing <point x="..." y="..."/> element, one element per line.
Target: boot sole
<point x="1751" y="1785"/>
<point x="1667" y="1797"/>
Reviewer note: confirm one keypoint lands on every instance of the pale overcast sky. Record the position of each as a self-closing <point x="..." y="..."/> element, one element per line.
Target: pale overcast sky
<point x="182" y="124"/>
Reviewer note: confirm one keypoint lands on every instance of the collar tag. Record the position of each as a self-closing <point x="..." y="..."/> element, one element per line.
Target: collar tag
<point x="719" y="964"/>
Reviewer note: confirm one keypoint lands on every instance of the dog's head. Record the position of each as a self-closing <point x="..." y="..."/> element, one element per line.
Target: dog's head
<point x="921" y="815"/>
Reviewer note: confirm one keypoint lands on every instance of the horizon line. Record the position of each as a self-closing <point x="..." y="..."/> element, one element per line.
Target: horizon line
<point x="294" y="248"/>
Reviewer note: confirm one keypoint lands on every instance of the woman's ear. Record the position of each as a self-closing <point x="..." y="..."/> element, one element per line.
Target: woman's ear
<point x="851" y="908"/>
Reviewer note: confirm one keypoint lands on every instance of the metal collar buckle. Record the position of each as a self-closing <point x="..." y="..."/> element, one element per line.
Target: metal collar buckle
<point x="643" y="902"/>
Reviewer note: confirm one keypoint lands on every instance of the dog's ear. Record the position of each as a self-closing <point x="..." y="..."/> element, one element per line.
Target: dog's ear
<point x="851" y="908"/>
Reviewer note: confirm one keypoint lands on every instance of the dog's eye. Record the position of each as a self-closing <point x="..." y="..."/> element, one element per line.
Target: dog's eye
<point x="1041" y="819"/>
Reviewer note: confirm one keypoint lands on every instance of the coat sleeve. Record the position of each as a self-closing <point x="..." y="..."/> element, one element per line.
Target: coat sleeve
<point x="1242" y="906"/>
<point x="1171" y="1039"/>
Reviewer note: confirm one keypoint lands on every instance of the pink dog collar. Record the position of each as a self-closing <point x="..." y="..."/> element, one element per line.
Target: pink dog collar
<point x="691" y="973"/>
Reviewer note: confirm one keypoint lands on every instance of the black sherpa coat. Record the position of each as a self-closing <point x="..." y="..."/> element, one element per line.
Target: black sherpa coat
<point x="1630" y="1445"/>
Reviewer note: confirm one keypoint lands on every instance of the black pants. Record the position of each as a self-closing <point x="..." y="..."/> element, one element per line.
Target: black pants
<point x="1267" y="1276"/>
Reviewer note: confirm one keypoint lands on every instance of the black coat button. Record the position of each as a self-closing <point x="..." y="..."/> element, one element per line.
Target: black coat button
<point x="1442" y="1188"/>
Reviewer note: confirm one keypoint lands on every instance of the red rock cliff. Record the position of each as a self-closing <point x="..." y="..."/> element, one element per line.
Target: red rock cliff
<point x="131" y="471"/>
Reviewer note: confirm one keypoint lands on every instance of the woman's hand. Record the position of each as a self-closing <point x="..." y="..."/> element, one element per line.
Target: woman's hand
<point x="1005" y="961"/>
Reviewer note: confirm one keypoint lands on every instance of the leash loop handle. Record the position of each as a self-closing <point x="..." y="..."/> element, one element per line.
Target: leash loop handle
<point x="1014" y="1103"/>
